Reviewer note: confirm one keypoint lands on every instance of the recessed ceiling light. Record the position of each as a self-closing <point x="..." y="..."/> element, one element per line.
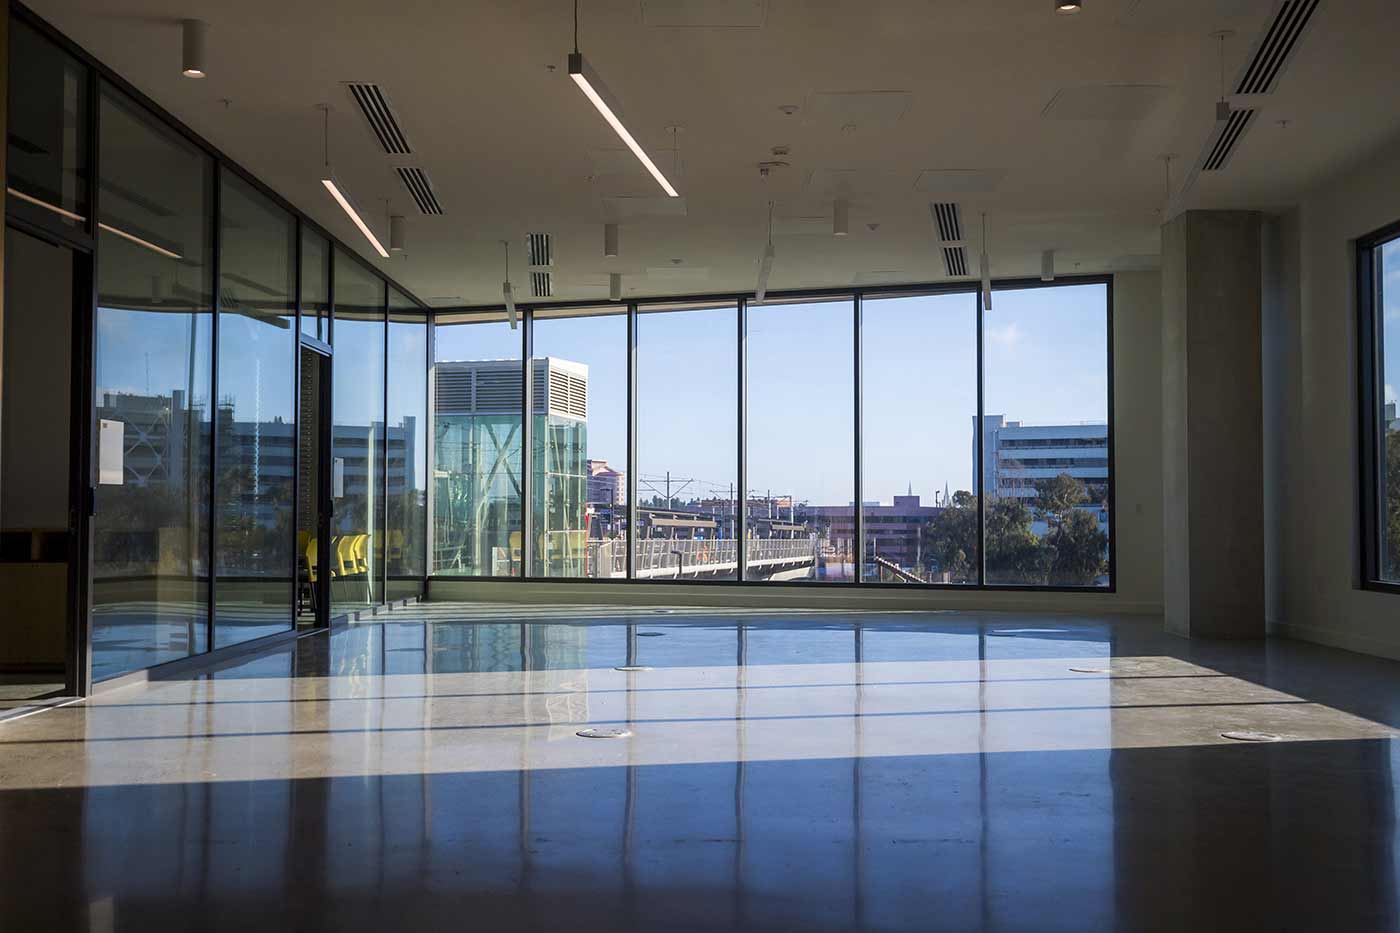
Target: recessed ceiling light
<point x="1068" y="6"/>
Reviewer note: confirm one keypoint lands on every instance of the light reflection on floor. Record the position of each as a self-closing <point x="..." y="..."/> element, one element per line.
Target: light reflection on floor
<point x="787" y="771"/>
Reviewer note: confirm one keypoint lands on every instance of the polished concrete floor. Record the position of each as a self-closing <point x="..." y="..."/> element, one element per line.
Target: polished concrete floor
<point x="822" y="771"/>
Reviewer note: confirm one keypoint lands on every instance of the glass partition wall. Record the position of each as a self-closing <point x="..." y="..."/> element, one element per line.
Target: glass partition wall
<point x="204" y="284"/>
<point x="889" y="437"/>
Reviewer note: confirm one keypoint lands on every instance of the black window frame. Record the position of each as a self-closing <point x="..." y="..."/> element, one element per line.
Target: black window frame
<point x="1370" y="347"/>
<point x="744" y="300"/>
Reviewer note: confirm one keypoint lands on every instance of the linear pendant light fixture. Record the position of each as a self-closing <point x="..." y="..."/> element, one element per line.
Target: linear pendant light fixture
<point x="765" y="266"/>
<point x="507" y="292"/>
<point x="598" y="95"/>
<point x="986" y="269"/>
<point x="341" y="196"/>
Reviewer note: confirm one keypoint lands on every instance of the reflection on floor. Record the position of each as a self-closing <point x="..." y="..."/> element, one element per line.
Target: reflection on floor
<point x="829" y="771"/>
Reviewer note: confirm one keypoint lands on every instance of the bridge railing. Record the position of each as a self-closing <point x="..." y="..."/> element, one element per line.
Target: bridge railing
<point x="608" y="558"/>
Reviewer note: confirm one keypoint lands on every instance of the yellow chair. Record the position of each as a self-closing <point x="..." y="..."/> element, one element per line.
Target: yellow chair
<point x="345" y="554"/>
<point x="361" y="553"/>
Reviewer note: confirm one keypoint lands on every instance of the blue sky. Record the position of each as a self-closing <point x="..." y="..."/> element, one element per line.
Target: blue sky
<point x="1045" y="363"/>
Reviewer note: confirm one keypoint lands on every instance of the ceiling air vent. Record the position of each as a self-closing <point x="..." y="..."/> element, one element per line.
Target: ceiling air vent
<point x="1271" y="54"/>
<point x="955" y="260"/>
<point x="539" y="249"/>
<point x="1219" y="153"/>
<point x="380" y="116"/>
<point x="421" y="188"/>
<point x="541" y="284"/>
<point x="946" y="220"/>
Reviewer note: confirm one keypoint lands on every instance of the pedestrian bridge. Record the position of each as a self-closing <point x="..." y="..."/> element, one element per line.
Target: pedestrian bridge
<point x="699" y="559"/>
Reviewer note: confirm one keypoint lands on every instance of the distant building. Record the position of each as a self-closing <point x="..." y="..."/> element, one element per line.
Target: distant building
<point x="606" y="486"/>
<point x="1016" y="456"/>
<point x="477" y="514"/>
<point x="893" y="531"/>
<point x="1392" y="422"/>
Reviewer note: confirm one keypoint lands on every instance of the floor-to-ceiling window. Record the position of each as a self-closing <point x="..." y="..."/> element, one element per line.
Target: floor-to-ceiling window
<point x="1380" y="440"/>
<point x="406" y="439"/>
<point x="1045" y="438"/>
<point x="579" y="467"/>
<point x="152" y="354"/>
<point x="801" y="436"/>
<point x="918" y="415"/>
<point x="254" y="416"/>
<point x="357" y="440"/>
<point x="477" y="446"/>
<point x="687" y="438"/>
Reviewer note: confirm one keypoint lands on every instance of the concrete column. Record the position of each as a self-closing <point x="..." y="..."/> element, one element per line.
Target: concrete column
<point x="1212" y="434"/>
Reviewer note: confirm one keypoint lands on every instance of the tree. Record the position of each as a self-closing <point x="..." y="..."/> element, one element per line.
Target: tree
<point x="951" y="538"/>
<point x="1079" y="546"/>
<point x="1014" y="553"/>
<point x="1073" y="534"/>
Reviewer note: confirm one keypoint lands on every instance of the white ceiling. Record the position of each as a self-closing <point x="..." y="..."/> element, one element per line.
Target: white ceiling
<point x="1000" y="105"/>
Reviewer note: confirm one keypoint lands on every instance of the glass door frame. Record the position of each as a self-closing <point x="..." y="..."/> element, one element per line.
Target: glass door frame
<point x="77" y="675"/>
<point x="325" y="504"/>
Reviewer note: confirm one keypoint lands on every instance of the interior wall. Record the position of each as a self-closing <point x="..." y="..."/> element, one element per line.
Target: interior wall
<point x="1137" y="400"/>
<point x="1310" y="413"/>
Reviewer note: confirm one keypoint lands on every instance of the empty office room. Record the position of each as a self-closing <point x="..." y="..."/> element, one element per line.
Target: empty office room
<point x="700" y="465"/>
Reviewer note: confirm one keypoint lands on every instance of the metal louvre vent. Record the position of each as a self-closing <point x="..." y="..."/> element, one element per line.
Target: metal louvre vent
<point x="1278" y="43"/>
<point x="568" y="394"/>
<point x="945" y="218"/>
<point x="380" y="116"/>
<point x="420" y="187"/>
<point x="541" y="284"/>
<point x="497" y="390"/>
<point x="539" y="249"/>
<point x="454" y="391"/>
<point x="1224" y="146"/>
<point x="955" y="260"/>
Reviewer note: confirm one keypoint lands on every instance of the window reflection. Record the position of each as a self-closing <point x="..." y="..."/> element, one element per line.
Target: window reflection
<point x="315" y="286"/>
<point x="153" y="369"/>
<point x="256" y="451"/>
<point x="406" y="435"/>
<point x="357" y="447"/>
<point x="47" y="117"/>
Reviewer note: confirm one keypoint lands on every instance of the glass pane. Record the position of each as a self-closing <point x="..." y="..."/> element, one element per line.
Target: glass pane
<point x="253" y="492"/>
<point x="406" y="557"/>
<point x="919" y="408"/>
<point x="580" y="443"/>
<point x="37" y="374"/>
<point x="1045" y="437"/>
<point x="801" y="414"/>
<point x="47" y="127"/>
<point x="153" y="373"/>
<point x="357" y="446"/>
<point x="1389" y="378"/>
<point x="315" y="286"/>
<point x="687" y="442"/>
<point x="477" y="448"/>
